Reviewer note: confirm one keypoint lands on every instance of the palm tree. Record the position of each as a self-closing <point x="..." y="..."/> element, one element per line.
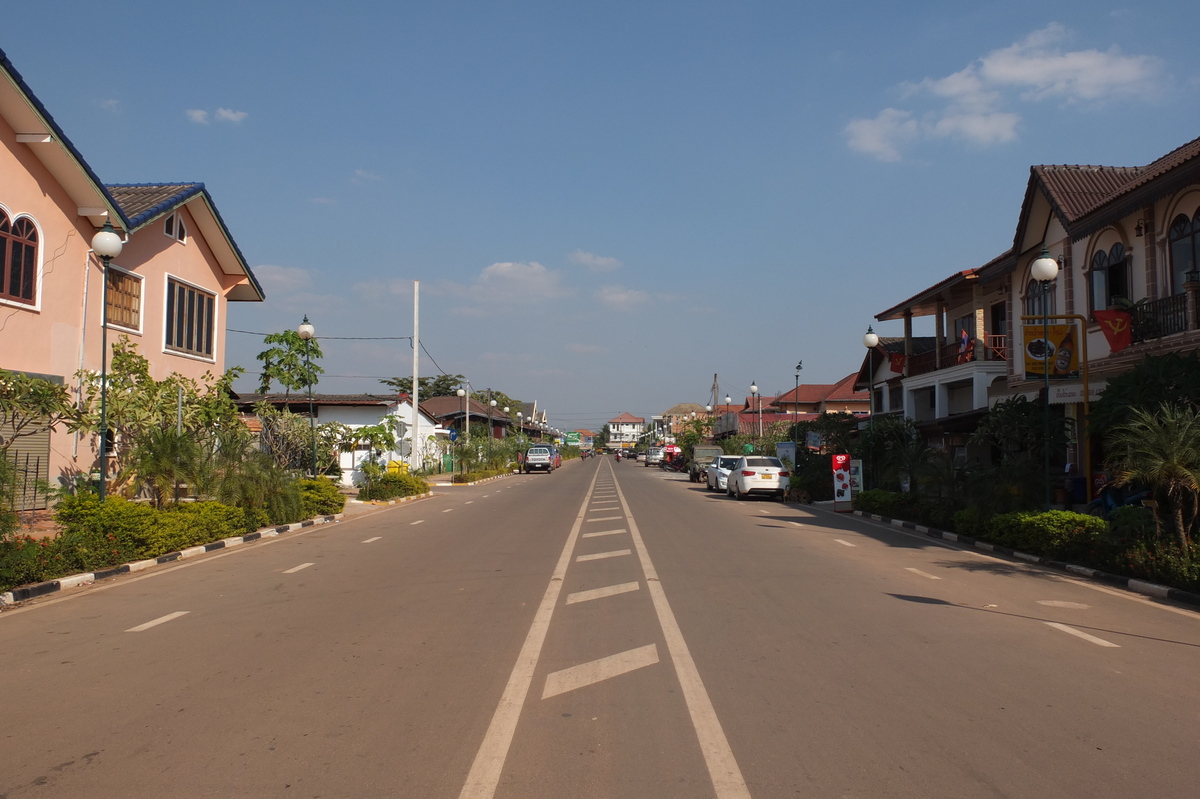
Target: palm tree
<point x="1162" y="450"/>
<point x="161" y="460"/>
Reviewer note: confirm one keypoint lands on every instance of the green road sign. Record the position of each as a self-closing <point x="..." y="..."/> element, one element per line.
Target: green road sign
<point x="573" y="438"/>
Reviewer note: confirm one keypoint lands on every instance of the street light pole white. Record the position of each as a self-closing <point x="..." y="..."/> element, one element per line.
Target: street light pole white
<point x="306" y="331"/>
<point x="753" y="394"/>
<point x="106" y="244"/>
<point x="871" y="341"/>
<point x="1045" y="270"/>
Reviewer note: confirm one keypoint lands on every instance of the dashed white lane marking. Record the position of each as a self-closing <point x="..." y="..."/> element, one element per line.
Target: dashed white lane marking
<point x="1059" y="603"/>
<point x="600" y="593"/>
<point x="923" y="574"/>
<point x="469" y="501"/>
<point x="723" y="769"/>
<point x="301" y="567"/>
<point x="603" y="532"/>
<point x="605" y="519"/>
<point x="447" y="510"/>
<point x="373" y="540"/>
<point x="485" y="496"/>
<point x="1081" y="634"/>
<point x="586" y="674"/>
<point x="795" y="524"/>
<point x="602" y="555"/>
<point x="158" y="621"/>
<point x="489" y="760"/>
<point x="418" y="521"/>
<point x="845" y="543"/>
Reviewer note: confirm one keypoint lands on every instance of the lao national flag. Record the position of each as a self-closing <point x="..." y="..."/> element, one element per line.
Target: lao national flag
<point x="964" y="341"/>
<point x="1117" y="327"/>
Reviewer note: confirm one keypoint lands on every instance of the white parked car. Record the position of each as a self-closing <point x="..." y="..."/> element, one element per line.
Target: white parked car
<point x="757" y="474"/>
<point x="717" y="472"/>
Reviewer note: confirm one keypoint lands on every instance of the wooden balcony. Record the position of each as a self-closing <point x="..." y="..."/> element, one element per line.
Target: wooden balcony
<point x="995" y="348"/>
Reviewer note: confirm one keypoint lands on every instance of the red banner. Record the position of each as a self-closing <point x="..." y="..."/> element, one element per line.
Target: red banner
<point x="1117" y="327"/>
<point x="898" y="359"/>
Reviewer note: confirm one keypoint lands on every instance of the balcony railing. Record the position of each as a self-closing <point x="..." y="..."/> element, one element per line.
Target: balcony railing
<point x="995" y="349"/>
<point x="1159" y="318"/>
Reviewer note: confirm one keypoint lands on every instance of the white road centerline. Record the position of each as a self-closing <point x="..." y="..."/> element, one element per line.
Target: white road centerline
<point x="585" y="674"/>
<point x="603" y="555"/>
<point x="447" y="510"/>
<point x="1081" y="634"/>
<point x="489" y="760"/>
<point x="604" y="532"/>
<point x="158" y="621"/>
<point x="923" y="574"/>
<point x="301" y="567"/>
<point x="469" y="501"/>
<point x="373" y="540"/>
<point x="606" y="519"/>
<point x="418" y="521"/>
<point x="723" y="769"/>
<point x="845" y="543"/>
<point x="600" y="593"/>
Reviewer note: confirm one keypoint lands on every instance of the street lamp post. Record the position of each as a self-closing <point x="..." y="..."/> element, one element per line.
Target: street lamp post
<point x="306" y="331"/>
<point x="871" y="341"/>
<point x="466" y="428"/>
<point x="491" y="431"/>
<point x="107" y="244"/>
<point x="753" y="394"/>
<point x="796" y="413"/>
<point x="1045" y="270"/>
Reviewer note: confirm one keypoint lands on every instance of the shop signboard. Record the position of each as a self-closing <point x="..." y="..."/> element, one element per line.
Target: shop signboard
<point x="1054" y="348"/>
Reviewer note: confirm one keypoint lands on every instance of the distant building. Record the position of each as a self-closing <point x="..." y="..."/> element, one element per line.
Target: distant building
<point x="625" y="430"/>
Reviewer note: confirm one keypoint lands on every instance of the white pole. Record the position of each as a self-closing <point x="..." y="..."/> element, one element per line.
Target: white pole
<point x="415" y="394"/>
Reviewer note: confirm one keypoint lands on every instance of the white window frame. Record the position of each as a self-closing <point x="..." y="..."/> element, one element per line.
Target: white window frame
<point x="178" y="229"/>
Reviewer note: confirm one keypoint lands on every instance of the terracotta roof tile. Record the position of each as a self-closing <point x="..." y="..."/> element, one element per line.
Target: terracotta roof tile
<point x="141" y="202"/>
<point x="627" y="418"/>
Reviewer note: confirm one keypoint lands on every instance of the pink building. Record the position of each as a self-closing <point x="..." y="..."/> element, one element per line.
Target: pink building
<point x="168" y="289"/>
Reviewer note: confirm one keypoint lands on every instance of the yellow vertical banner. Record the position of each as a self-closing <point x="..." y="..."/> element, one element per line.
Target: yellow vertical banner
<point x="1056" y="347"/>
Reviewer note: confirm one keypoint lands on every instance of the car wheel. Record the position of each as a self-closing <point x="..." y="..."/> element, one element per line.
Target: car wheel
<point x="738" y="494"/>
<point x="707" y="484"/>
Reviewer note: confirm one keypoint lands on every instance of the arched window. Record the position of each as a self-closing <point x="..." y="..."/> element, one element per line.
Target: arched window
<point x="1110" y="276"/>
<point x="18" y="260"/>
<point x="1185" y="249"/>
<point x="1033" y="297"/>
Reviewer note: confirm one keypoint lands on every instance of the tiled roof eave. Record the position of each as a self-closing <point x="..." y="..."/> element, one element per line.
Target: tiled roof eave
<point x="1135" y="200"/>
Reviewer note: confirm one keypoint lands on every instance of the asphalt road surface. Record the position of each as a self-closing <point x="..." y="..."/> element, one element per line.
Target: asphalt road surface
<point x="603" y="631"/>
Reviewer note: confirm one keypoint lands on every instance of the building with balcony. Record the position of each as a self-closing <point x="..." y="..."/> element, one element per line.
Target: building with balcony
<point x="625" y="431"/>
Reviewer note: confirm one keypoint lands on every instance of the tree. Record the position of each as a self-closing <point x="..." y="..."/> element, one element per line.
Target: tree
<point x="1170" y="378"/>
<point x="289" y="362"/>
<point x="1161" y="449"/>
<point x="31" y="405"/>
<point x="600" y="441"/>
<point x="440" y="386"/>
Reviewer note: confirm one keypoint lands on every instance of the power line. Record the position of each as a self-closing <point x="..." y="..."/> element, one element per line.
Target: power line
<point x="333" y="338"/>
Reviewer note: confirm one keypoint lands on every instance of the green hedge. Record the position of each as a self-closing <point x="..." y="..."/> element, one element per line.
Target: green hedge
<point x="98" y="535"/>
<point x="483" y="474"/>
<point x="321" y="497"/>
<point x="908" y="506"/>
<point x="393" y="486"/>
<point x="1056" y="534"/>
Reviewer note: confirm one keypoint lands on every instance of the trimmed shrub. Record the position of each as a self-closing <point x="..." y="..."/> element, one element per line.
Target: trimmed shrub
<point x="393" y="486"/>
<point x="320" y="497"/>
<point x="471" y="477"/>
<point x="1058" y="534"/>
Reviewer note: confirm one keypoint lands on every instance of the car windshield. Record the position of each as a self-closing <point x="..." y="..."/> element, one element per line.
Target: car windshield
<point x="760" y="462"/>
<point x="727" y="463"/>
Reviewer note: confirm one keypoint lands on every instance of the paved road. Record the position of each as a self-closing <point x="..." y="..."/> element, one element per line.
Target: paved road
<point x="605" y="631"/>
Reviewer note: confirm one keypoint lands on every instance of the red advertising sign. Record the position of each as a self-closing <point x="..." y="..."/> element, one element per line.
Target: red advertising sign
<point x="841" y="484"/>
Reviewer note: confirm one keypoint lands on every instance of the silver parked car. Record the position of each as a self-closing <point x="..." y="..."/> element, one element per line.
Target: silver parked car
<point x="717" y="472"/>
<point x="757" y="474"/>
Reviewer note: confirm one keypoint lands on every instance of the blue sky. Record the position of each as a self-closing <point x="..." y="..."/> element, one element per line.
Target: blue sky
<point x="607" y="203"/>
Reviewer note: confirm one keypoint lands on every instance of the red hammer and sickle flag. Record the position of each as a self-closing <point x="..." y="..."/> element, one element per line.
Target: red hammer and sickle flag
<point x="1117" y="328"/>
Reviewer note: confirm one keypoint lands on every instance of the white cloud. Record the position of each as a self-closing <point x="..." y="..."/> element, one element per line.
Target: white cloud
<point x="621" y="298"/>
<point x="883" y="135"/>
<point x="363" y="176"/>
<point x="111" y="105"/>
<point x="975" y="101"/>
<point x="229" y="115"/>
<point x="509" y="282"/>
<point x="594" y="262"/>
<point x="284" y="279"/>
<point x="197" y="115"/>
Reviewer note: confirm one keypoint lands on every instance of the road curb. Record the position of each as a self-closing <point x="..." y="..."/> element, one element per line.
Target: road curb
<point x="34" y="590"/>
<point x="1129" y="583"/>
<point x="385" y="502"/>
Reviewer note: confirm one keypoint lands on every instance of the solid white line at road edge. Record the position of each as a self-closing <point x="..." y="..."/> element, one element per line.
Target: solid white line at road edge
<point x="722" y="766"/>
<point x="489" y="760"/>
